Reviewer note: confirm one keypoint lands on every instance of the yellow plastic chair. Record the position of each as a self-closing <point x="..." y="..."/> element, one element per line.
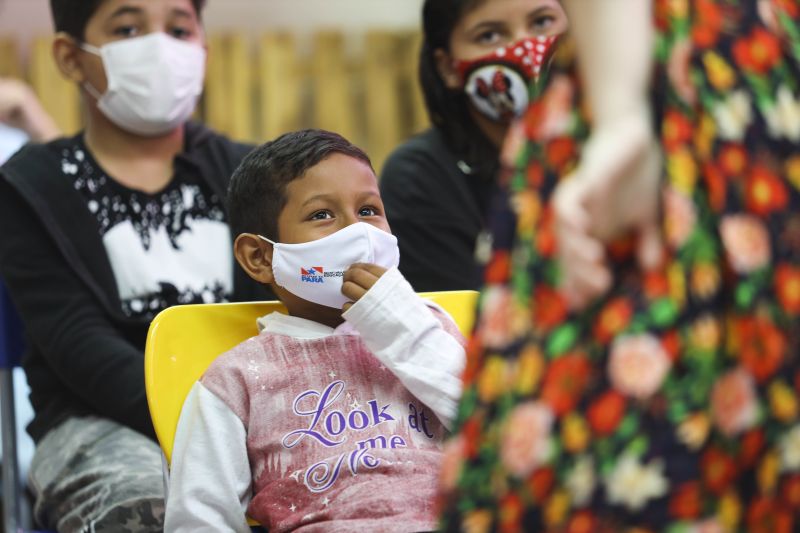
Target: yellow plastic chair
<point x="184" y="340"/>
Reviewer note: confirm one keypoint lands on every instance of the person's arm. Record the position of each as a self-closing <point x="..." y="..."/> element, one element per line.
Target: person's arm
<point x="614" y="189"/>
<point x="19" y="108"/>
<point x="418" y="343"/>
<point x="613" y="40"/>
<point x="66" y="322"/>
<point x="209" y="481"/>
<point x="433" y="221"/>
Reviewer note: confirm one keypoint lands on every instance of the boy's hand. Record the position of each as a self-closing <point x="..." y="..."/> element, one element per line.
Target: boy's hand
<point x="358" y="279"/>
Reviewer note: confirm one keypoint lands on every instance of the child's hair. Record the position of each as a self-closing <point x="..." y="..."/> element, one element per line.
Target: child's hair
<point x="257" y="191"/>
<point x="71" y="16"/>
<point x="448" y="109"/>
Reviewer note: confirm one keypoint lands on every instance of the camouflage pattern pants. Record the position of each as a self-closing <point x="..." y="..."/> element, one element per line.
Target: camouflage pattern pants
<point x="93" y="475"/>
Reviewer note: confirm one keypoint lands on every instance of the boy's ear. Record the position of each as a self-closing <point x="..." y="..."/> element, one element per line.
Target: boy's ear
<point x="65" y="53"/>
<point x="255" y="257"/>
<point x="444" y="64"/>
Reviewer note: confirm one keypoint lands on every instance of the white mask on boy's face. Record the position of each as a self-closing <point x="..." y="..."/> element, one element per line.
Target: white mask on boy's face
<point x="154" y="82"/>
<point x="314" y="270"/>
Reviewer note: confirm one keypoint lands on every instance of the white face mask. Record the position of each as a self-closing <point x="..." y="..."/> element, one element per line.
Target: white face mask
<point x="313" y="270"/>
<point x="154" y="82"/>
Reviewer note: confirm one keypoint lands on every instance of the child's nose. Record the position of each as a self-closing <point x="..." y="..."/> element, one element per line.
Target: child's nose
<point x="521" y="33"/>
<point x="349" y="219"/>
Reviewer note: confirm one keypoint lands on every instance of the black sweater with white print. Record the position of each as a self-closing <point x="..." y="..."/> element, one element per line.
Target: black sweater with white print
<point x="171" y="247"/>
<point x="89" y="262"/>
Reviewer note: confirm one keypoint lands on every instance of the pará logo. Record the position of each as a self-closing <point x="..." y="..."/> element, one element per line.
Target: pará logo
<point x="312" y="274"/>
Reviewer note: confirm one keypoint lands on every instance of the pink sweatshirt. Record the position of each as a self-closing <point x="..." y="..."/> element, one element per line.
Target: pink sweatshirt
<point x="322" y="422"/>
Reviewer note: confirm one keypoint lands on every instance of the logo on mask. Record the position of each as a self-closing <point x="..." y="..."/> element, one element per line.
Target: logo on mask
<point x="497" y="83"/>
<point x="498" y="94"/>
<point x="312" y="275"/>
<point x="356" y="243"/>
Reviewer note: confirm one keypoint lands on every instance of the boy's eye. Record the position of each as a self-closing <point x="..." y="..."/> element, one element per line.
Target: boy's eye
<point x="126" y="31"/>
<point x="181" y="32"/>
<point x="367" y="212"/>
<point x="321" y="215"/>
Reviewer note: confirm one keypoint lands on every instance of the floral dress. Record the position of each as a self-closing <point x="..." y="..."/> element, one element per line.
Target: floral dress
<point x="672" y="403"/>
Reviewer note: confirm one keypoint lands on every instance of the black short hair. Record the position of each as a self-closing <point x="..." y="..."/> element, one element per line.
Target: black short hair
<point x="447" y="108"/>
<point x="257" y="191"/>
<point x="71" y="16"/>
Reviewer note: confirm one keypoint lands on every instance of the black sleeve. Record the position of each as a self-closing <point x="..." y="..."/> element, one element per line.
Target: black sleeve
<point x="432" y="219"/>
<point x="65" y="321"/>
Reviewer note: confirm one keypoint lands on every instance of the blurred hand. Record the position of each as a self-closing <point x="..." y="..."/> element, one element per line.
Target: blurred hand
<point x="585" y="272"/>
<point x="614" y="191"/>
<point x="19" y="108"/>
<point x="358" y="279"/>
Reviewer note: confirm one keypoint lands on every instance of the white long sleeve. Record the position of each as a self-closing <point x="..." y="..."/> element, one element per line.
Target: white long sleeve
<point x="401" y="330"/>
<point x="210" y="480"/>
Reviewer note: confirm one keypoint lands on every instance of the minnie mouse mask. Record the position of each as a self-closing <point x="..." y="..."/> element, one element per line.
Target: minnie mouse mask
<point x="498" y="83"/>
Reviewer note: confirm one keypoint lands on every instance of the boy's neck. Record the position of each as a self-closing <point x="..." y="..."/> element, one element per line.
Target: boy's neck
<point x="328" y="317"/>
<point x="141" y="163"/>
<point x="104" y="137"/>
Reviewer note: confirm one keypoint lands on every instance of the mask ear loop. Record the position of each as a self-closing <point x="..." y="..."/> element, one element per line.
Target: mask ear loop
<point x="91" y="90"/>
<point x="92" y="49"/>
<point x="273" y="243"/>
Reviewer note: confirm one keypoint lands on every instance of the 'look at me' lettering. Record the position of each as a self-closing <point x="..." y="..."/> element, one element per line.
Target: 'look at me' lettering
<point x="325" y="425"/>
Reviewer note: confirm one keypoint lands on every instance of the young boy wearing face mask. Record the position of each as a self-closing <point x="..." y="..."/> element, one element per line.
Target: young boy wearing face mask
<point x="327" y="420"/>
<point x="477" y="60"/>
<point x="101" y="231"/>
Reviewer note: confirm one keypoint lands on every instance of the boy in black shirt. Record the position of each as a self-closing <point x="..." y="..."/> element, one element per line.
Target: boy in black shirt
<point x="100" y="232"/>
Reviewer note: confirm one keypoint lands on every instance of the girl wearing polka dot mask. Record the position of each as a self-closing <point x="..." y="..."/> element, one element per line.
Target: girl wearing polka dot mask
<point x="477" y="61"/>
<point x="495" y="50"/>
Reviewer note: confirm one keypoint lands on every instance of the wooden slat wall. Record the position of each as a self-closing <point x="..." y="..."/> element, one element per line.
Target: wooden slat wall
<point x="280" y="85"/>
<point x="216" y="87"/>
<point x="9" y="59"/>
<point x="257" y="89"/>
<point x="382" y="95"/>
<point x="332" y="81"/>
<point x="59" y="96"/>
<point x="412" y="97"/>
<point x="241" y="67"/>
<point x="229" y="96"/>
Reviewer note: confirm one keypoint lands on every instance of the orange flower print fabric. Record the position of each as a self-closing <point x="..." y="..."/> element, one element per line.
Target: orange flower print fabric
<point x="671" y="404"/>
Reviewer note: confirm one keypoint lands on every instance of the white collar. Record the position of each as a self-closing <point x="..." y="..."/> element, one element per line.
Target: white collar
<point x="300" y="328"/>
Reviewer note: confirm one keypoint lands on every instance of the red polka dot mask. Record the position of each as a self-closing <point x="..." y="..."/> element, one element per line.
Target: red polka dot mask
<point x="498" y="83"/>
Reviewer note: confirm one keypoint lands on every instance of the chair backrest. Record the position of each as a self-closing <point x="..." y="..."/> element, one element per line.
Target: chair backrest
<point x="184" y="340"/>
<point x="11" y="348"/>
<point x="11" y="338"/>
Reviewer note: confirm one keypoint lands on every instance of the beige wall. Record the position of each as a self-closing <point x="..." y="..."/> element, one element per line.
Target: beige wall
<point x="26" y="19"/>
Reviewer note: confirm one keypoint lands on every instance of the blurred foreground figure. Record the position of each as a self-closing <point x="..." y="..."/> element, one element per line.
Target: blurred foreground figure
<point x="635" y="366"/>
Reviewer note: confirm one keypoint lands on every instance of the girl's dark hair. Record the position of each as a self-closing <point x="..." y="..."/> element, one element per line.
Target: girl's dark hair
<point x="71" y="16"/>
<point x="448" y="109"/>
